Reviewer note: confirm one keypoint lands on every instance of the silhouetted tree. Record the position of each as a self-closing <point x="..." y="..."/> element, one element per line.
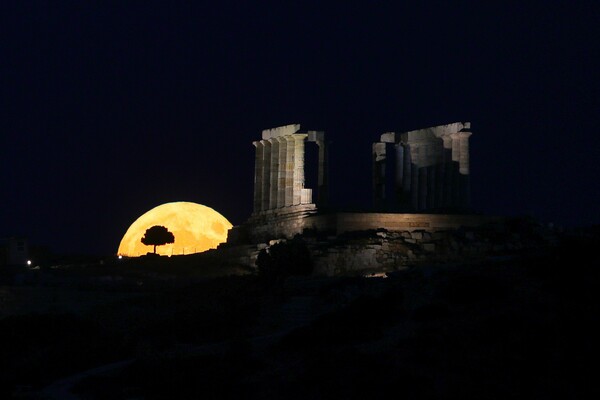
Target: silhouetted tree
<point x="157" y="236"/>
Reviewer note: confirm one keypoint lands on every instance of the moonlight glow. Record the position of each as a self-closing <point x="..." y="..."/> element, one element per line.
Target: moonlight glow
<point x="196" y="228"/>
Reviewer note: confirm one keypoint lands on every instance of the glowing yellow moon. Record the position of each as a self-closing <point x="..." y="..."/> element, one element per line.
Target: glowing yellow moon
<point x="196" y="228"/>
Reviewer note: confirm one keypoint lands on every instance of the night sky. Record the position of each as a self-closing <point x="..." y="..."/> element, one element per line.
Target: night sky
<point x="108" y="110"/>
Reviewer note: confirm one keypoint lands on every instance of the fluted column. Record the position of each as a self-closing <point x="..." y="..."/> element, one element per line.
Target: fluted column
<point x="258" y="175"/>
<point x="266" y="173"/>
<point x="446" y="172"/>
<point x="298" y="180"/>
<point x="281" y="172"/>
<point x="379" y="159"/>
<point x="289" y="170"/>
<point x="463" y="138"/>
<point x="274" y="173"/>
<point x="398" y="190"/>
<point x="407" y="170"/>
<point x="323" y="171"/>
<point x="455" y="146"/>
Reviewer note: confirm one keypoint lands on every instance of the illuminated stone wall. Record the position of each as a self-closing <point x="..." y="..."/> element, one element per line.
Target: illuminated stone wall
<point x="423" y="170"/>
<point x="275" y="225"/>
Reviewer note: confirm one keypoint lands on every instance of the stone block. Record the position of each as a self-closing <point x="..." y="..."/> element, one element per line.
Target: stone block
<point x="429" y="247"/>
<point x="417" y="235"/>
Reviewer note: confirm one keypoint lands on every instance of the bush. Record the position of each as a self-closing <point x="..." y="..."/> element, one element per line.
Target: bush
<point x="285" y="259"/>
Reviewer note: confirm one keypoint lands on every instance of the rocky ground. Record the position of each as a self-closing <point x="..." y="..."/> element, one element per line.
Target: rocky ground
<point x="518" y="324"/>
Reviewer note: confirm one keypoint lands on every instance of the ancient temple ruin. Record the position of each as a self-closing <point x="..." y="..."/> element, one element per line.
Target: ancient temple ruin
<point x="279" y="175"/>
<point x="420" y="182"/>
<point x="423" y="170"/>
<point x="420" y="193"/>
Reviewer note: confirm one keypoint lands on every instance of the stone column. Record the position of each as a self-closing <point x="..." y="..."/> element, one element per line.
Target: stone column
<point x="407" y="170"/>
<point x="274" y="173"/>
<point x="298" y="183"/>
<point x="289" y="170"/>
<point x="266" y="190"/>
<point x="258" y="176"/>
<point x="281" y="172"/>
<point x="422" y="188"/>
<point x="446" y="172"/>
<point x="430" y="197"/>
<point x="463" y="138"/>
<point x="463" y="169"/>
<point x="323" y="178"/>
<point x="399" y="190"/>
<point x="456" y="187"/>
<point x="379" y="158"/>
<point x="455" y="146"/>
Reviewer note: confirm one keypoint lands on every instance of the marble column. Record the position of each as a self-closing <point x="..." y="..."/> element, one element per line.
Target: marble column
<point x="281" y="172"/>
<point x="407" y="170"/>
<point x="463" y="138"/>
<point x="266" y="173"/>
<point x="431" y="182"/>
<point x="464" y="169"/>
<point x="289" y="170"/>
<point x="399" y="172"/>
<point x="258" y="175"/>
<point x="446" y="172"/>
<point x="455" y="146"/>
<point x="422" y="188"/>
<point x="298" y="180"/>
<point x="323" y="173"/>
<point x="379" y="160"/>
<point x="414" y="180"/>
<point x="274" y="173"/>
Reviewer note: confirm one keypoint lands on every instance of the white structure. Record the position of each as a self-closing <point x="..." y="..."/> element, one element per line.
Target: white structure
<point x="425" y="169"/>
<point x="279" y="168"/>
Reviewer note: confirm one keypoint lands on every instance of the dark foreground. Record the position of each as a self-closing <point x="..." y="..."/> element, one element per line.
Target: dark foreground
<point x="509" y="327"/>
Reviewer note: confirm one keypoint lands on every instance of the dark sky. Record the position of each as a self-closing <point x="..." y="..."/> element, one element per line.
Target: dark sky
<point x="107" y="110"/>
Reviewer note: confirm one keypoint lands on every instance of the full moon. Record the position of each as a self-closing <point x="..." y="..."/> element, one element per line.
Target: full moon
<point x="196" y="228"/>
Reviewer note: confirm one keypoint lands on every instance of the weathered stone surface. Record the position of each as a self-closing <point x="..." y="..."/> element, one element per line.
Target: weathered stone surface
<point x="418" y="235"/>
<point x="429" y="247"/>
<point x="431" y="168"/>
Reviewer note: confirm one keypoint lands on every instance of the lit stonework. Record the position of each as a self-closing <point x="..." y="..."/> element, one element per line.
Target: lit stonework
<point x="279" y="168"/>
<point x="425" y="169"/>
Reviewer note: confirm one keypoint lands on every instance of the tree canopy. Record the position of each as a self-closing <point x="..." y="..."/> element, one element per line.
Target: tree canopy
<point x="157" y="235"/>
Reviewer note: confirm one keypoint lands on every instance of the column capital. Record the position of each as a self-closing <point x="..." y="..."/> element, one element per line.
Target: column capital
<point x="460" y="134"/>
